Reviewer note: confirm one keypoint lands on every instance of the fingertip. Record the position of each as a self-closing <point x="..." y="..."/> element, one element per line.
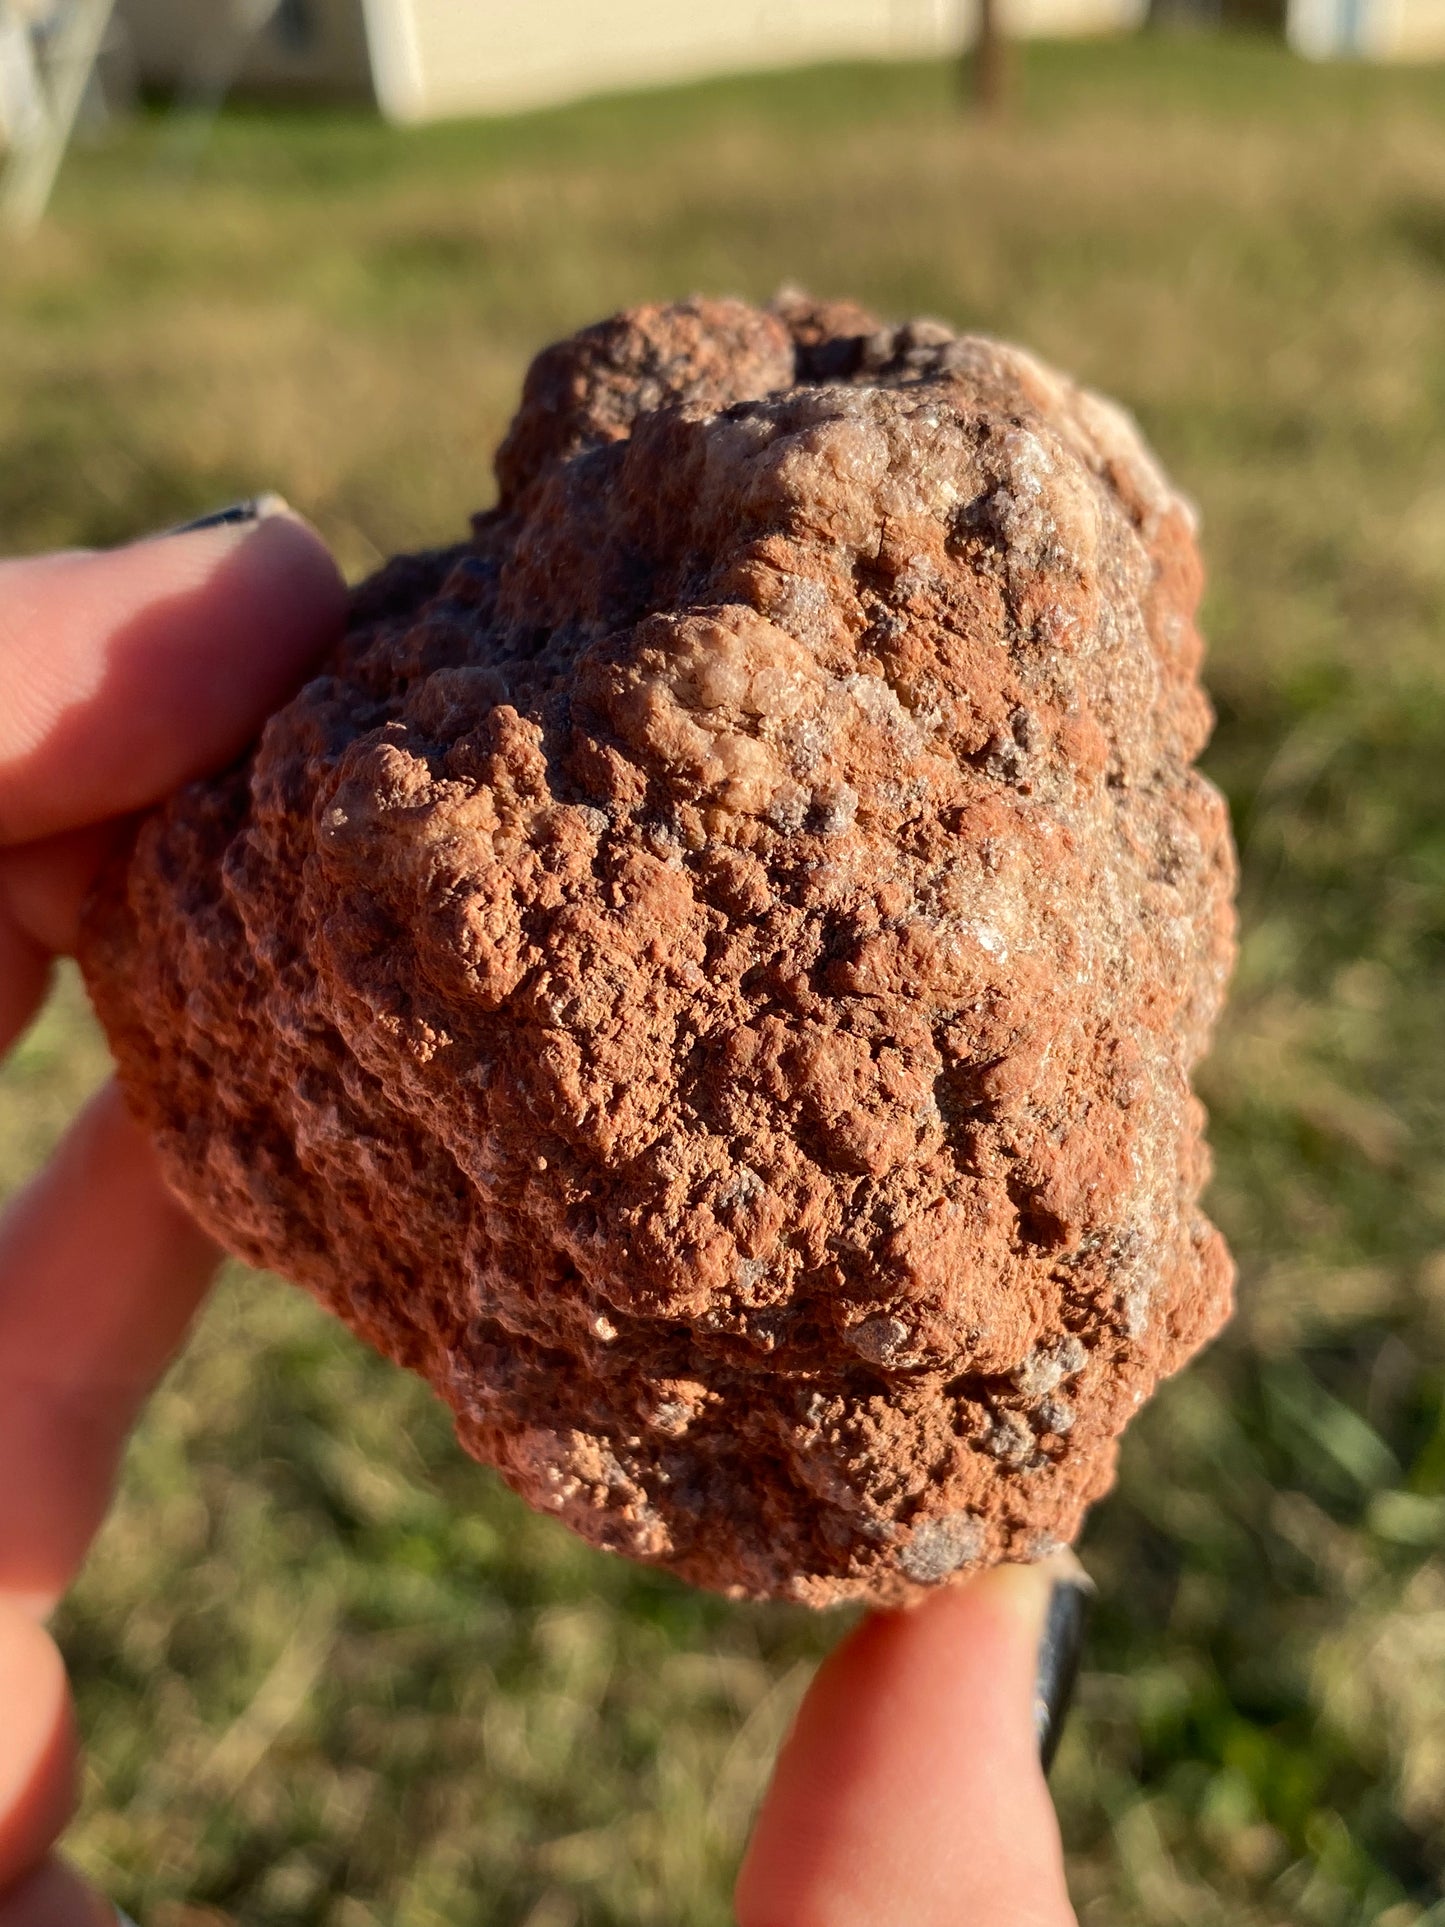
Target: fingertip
<point x="910" y="1786"/>
<point x="132" y="670"/>
<point x="268" y="596"/>
<point x="38" y="1758"/>
<point x="272" y="538"/>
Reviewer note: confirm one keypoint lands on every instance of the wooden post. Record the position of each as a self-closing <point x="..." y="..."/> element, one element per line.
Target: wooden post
<point x="989" y="64"/>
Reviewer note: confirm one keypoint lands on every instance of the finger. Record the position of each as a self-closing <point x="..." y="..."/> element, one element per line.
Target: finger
<point x="53" y="1896"/>
<point x="37" y="1758"/>
<point x="44" y="884"/>
<point x="130" y="671"/>
<point x="42" y="888"/>
<point x="910" y="1787"/>
<point x="24" y="977"/>
<point x="100" y="1273"/>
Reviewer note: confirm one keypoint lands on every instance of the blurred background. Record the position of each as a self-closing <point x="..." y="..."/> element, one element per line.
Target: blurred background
<point x="330" y="1673"/>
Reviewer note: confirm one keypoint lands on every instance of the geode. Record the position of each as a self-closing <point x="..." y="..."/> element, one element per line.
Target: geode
<point x="708" y="972"/>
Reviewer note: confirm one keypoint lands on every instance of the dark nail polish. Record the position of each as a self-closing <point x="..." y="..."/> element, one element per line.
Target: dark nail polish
<point x="1060" y="1651"/>
<point x="256" y="509"/>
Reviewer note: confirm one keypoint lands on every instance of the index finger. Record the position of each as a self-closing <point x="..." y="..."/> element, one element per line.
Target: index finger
<point x="100" y="1273"/>
<point x="124" y="674"/>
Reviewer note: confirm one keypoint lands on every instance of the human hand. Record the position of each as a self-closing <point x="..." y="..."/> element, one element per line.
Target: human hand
<point x="123" y="674"/>
<point x="911" y="1788"/>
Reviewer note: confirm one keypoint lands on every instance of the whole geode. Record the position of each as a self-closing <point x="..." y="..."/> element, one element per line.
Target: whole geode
<point x="708" y="973"/>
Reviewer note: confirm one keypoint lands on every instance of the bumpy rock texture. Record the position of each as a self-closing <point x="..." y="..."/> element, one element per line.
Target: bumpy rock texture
<point x="708" y="975"/>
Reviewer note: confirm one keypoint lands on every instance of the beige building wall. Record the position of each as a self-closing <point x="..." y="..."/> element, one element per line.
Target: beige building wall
<point x="1367" y="29"/>
<point x="440" y="57"/>
<point x="429" y="59"/>
<point x="471" y="54"/>
<point x="1065" y="19"/>
<point x="1407" y="30"/>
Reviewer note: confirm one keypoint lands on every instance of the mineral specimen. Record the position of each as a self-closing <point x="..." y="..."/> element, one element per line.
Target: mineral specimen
<point x="708" y="973"/>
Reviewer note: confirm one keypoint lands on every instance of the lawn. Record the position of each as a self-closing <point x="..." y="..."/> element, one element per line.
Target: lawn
<point x="331" y="1675"/>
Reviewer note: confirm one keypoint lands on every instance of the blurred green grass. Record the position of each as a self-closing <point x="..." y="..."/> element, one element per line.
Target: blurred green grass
<point x="330" y="1673"/>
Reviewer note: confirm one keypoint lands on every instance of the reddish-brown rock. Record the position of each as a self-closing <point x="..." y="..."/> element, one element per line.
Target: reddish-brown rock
<point x="709" y="973"/>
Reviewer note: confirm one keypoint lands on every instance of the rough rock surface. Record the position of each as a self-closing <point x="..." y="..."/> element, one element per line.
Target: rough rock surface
<point x="709" y="974"/>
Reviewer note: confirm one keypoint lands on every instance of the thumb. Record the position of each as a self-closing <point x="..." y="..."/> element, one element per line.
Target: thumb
<point x="911" y="1787"/>
<point x="129" y="671"/>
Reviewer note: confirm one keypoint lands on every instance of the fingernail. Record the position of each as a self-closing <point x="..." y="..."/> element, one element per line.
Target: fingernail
<point x="256" y="509"/>
<point x="1060" y="1651"/>
<point x="123" y="1919"/>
